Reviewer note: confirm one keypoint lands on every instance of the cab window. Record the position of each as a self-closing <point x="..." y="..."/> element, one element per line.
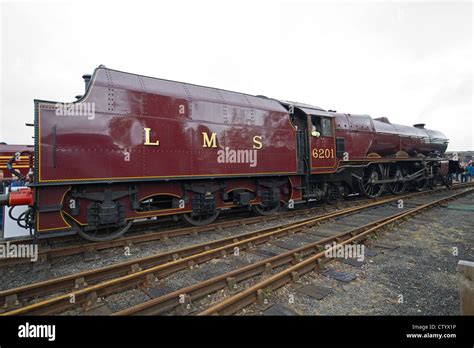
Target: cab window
<point x="316" y="121"/>
<point x="322" y="125"/>
<point x="326" y="127"/>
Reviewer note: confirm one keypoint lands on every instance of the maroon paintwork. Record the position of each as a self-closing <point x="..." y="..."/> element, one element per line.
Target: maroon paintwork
<point x="365" y="135"/>
<point x="81" y="148"/>
<point x="91" y="152"/>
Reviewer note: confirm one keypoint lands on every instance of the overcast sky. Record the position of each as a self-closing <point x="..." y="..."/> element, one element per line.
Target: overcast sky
<point x="408" y="61"/>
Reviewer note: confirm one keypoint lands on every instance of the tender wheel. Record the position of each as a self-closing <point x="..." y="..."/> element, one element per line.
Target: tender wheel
<point x="265" y="210"/>
<point x="101" y="234"/>
<point x="200" y="220"/>
<point x="395" y="172"/>
<point x="367" y="185"/>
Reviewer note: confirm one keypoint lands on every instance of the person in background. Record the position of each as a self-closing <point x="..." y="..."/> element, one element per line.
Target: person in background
<point x="470" y="171"/>
<point x="459" y="172"/>
<point x="463" y="166"/>
<point x="16" y="182"/>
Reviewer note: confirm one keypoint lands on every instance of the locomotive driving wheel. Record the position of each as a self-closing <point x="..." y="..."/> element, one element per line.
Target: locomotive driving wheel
<point x="200" y="219"/>
<point x="101" y="234"/>
<point x="395" y="172"/>
<point x="368" y="184"/>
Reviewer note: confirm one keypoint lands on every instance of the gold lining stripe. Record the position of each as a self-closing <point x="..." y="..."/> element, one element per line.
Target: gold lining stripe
<point x="60" y="213"/>
<point x="169" y="176"/>
<point x="22" y="158"/>
<point x="5" y="167"/>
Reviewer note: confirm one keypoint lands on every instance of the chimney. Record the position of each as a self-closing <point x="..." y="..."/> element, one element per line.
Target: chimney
<point x="87" y="79"/>
<point x="419" y="125"/>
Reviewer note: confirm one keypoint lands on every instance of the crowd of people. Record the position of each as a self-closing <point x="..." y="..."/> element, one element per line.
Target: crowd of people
<point x="467" y="171"/>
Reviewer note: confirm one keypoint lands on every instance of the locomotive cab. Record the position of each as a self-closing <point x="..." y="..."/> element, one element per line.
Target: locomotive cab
<point x="316" y="136"/>
<point x="321" y="126"/>
<point x="322" y="143"/>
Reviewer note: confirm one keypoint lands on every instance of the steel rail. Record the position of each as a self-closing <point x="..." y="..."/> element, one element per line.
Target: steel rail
<point x="174" y="299"/>
<point x="251" y="295"/>
<point x="159" y="266"/>
<point x="51" y="253"/>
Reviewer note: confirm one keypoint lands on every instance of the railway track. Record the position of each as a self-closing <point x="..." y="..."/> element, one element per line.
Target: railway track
<point x="47" y="253"/>
<point x="139" y="229"/>
<point x="87" y="288"/>
<point x="296" y="263"/>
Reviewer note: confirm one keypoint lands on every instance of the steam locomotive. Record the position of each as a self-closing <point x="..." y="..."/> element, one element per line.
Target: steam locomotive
<point x="134" y="148"/>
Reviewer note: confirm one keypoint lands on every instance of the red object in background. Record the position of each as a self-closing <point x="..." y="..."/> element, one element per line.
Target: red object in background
<point x="23" y="196"/>
<point x="6" y="153"/>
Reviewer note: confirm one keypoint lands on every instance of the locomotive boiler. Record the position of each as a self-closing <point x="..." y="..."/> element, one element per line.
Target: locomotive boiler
<point x="134" y="148"/>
